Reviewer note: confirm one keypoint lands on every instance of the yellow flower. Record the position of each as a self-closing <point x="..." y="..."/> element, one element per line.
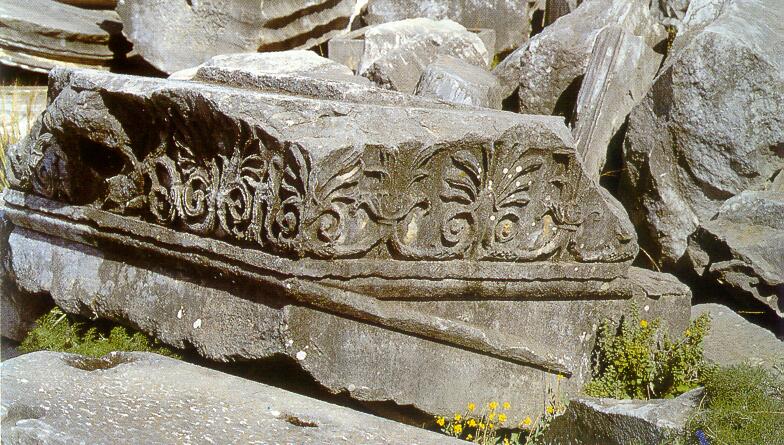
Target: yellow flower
<point x="560" y="377"/>
<point x="440" y="421"/>
<point x="481" y="426"/>
<point x="458" y="417"/>
<point x="493" y="405"/>
<point x="688" y="332"/>
<point x="506" y="441"/>
<point x="471" y="423"/>
<point x="490" y="425"/>
<point x="469" y="437"/>
<point x="527" y="420"/>
<point x="644" y="323"/>
<point x="491" y="416"/>
<point x="458" y="428"/>
<point x="471" y="407"/>
<point x="550" y="409"/>
<point x="507" y="405"/>
<point x="502" y="418"/>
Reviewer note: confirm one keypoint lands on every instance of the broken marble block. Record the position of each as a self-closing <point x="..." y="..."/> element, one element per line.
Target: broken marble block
<point x="619" y="74"/>
<point x="393" y="252"/>
<point x="453" y="80"/>
<point x="395" y="54"/>
<point x="711" y="126"/>
<point x="742" y="248"/>
<point x="546" y="72"/>
<point x="733" y="340"/>
<point x="136" y="397"/>
<point x="506" y="17"/>
<point x="301" y="73"/>
<point x="594" y="421"/>
<point x="173" y="35"/>
<point x="38" y="35"/>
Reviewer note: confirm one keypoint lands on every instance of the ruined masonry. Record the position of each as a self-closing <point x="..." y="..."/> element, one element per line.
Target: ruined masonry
<point x="394" y="252"/>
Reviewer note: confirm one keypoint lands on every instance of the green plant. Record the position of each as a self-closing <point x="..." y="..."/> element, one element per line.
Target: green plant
<point x="743" y="405"/>
<point x="490" y="425"/>
<point x="57" y="331"/>
<point x="638" y="361"/>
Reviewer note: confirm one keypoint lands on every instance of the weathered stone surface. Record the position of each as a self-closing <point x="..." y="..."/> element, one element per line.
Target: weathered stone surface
<point x="177" y="34"/>
<point x="732" y="340"/>
<point x="711" y="126"/>
<point x="369" y="348"/>
<point x="38" y="35"/>
<point x="18" y="310"/>
<point x="397" y="53"/>
<point x="742" y="247"/>
<point x="54" y="398"/>
<point x="368" y="242"/>
<point x="594" y="421"/>
<point x="555" y="9"/>
<point x="93" y="4"/>
<point x="456" y="81"/>
<point x="619" y="74"/>
<point x="546" y="71"/>
<point x="506" y="17"/>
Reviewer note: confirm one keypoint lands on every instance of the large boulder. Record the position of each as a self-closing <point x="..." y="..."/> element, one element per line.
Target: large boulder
<point x="134" y="397"/>
<point x="546" y="72"/>
<point x="173" y="35"/>
<point x="619" y="74"/>
<point x="741" y="248"/>
<point x="364" y="242"/>
<point x="733" y="340"/>
<point x="507" y="17"/>
<point x="456" y="81"/>
<point x="395" y="54"/>
<point x="711" y="127"/>
<point x="38" y="35"/>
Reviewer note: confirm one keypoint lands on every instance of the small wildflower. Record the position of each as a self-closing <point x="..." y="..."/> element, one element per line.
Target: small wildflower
<point x="471" y="407"/>
<point x="493" y="405"/>
<point x="469" y="437"/>
<point x="527" y="421"/>
<point x="550" y="409"/>
<point x="506" y="441"/>
<point x="644" y="323"/>
<point x="502" y="418"/>
<point x="471" y="423"/>
<point x="481" y="425"/>
<point x="688" y="332"/>
<point x="440" y="421"/>
<point x="491" y="416"/>
<point x="458" y="428"/>
<point x="560" y="377"/>
<point x="507" y="405"/>
<point x="491" y="425"/>
<point x="458" y="417"/>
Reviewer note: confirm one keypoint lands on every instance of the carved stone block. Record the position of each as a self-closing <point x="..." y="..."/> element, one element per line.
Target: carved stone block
<point x="375" y="239"/>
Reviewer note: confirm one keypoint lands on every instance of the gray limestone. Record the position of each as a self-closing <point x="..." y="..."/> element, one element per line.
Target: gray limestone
<point x="546" y="71"/>
<point x="733" y="340"/>
<point x="177" y="34"/>
<point x="57" y="398"/>
<point x="38" y="35"/>
<point x="456" y="81"/>
<point x="742" y="248"/>
<point x="594" y="421"/>
<point x="619" y="74"/>
<point x="506" y="17"/>
<point x="396" y="53"/>
<point x="365" y="241"/>
<point x="712" y="125"/>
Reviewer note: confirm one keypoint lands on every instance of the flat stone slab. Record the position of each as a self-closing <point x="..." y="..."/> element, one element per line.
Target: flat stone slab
<point x="55" y="398"/>
<point x="39" y="35"/>
<point x="733" y="340"/>
<point x="177" y="34"/>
